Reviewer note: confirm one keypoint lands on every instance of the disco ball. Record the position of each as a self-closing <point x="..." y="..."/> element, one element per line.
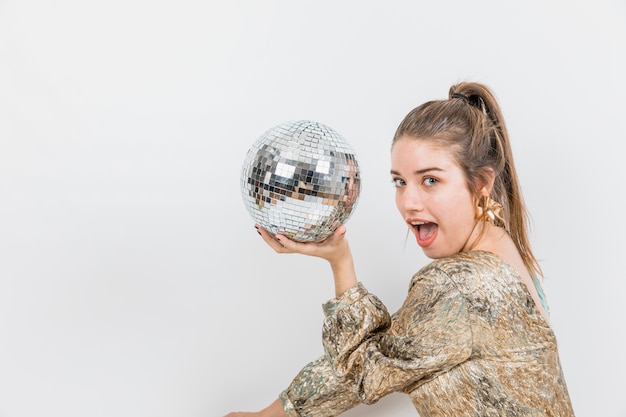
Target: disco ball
<point x="300" y="178"/>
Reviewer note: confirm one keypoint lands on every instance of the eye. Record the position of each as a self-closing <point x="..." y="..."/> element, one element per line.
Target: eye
<point x="398" y="182"/>
<point x="430" y="181"/>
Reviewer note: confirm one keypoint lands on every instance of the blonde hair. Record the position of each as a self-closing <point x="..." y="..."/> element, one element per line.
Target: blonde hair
<point x="470" y="124"/>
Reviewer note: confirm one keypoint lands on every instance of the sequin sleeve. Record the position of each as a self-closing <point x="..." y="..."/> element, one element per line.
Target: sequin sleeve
<point x="369" y="354"/>
<point x="317" y="391"/>
<point x="429" y="335"/>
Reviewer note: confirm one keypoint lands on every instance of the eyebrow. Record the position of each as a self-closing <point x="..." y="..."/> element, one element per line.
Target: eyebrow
<point x="419" y="171"/>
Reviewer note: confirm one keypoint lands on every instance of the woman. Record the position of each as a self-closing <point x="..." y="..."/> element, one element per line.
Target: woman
<point x="472" y="337"/>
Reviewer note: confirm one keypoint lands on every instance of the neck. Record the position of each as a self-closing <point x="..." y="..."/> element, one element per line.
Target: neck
<point x="484" y="236"/>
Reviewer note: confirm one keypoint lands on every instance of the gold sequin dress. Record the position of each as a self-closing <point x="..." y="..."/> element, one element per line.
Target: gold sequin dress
<point x="468" y="341"/>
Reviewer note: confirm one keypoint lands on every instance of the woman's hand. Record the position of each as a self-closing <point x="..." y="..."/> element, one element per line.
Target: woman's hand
<point x="275" y="409"/>
<point x="334" y="249"/>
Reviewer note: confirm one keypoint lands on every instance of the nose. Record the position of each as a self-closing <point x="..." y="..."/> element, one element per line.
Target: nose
<point x="409" y="200"/>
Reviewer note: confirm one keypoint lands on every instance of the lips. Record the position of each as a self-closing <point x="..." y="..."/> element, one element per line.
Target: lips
<point x="425" y="232"/>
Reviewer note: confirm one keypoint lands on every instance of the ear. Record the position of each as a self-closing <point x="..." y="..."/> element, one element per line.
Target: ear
<point x="485" y="184"/>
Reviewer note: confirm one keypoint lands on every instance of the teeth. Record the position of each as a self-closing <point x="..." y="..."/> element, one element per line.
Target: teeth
<point x="417" y="223"/>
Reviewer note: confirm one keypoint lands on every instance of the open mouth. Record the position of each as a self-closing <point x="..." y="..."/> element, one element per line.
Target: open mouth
<point x="425" y="232"/>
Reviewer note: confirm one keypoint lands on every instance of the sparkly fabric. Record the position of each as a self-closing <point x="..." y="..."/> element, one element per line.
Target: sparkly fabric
<point x="468" y="341"/>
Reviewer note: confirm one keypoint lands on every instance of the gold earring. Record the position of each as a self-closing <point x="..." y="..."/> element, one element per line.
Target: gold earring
<point x="490" y="211"/>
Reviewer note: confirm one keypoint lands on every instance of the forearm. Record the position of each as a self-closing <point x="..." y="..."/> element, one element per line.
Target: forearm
<point x="275" y="409"/>
<point x="334" y="249"/>
<point x="344" y="274"/>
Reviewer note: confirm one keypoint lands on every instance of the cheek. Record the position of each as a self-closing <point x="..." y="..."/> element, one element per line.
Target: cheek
<point x="460" y="213"/>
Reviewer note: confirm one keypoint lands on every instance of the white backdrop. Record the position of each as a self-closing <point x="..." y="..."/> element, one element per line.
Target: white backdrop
<point x="132" y="282"/>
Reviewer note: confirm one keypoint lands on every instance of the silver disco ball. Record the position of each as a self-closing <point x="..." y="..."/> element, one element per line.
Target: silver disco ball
<point x="300" y="178"/>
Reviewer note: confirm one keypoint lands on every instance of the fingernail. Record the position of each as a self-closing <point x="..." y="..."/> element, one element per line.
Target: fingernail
<point x="259" y="233"/>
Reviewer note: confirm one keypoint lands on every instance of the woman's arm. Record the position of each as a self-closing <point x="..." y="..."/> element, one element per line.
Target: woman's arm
<point x="430" y="334"/>
<point x="334" y="249"/>
<point x="316" y="390"/>
<point x="275" y="409"/>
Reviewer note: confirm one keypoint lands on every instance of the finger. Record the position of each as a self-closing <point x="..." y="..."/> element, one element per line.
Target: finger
<point x="287" y="244"/>
<point x="270" y="239"/>
<point x="338" y="233"/>
<point x="340" y="230"/>
<point x="305" y="248"/>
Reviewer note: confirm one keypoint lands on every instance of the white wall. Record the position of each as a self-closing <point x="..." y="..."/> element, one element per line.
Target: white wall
<point x="132" y="282"/>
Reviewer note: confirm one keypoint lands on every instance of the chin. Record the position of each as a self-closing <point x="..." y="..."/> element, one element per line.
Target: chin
<point x="433" y="253"/>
